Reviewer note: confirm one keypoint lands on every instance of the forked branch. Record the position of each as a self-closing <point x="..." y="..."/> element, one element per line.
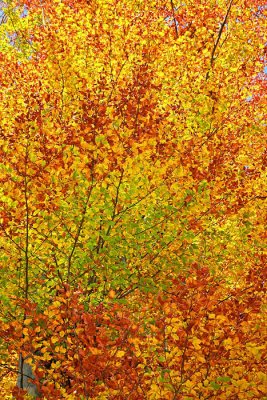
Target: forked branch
<point x="212" y="58"/>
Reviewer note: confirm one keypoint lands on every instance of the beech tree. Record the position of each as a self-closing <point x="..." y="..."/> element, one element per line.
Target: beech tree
<point x="133" y="198"/>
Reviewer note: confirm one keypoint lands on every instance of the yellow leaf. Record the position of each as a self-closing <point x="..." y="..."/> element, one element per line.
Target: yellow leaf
<point x="189" y="384"/>
<point x="120" y="353"/>
<point x="94" y="351"/>
<point x="69" y="340"/>
<point x="54" y="339"/>
<point x="211" y="316"/>
<point x="196" y="343"/>
<point x="25" y="331"/>
<point x="46" y="357"/>
<point x="228" y="343"/>
<point x="62" y="350"/>
<point x="201" y="358"/>
<point x="112" y="294"/>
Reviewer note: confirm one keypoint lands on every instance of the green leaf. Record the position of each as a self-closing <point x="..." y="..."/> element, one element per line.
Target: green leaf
<point x="223" y="379"/>
<point x="215" y="385"/>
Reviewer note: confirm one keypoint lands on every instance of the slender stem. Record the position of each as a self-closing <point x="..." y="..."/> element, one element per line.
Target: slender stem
<point x="174" y="20"/>
<point x="220" y="32"/>
<point x="212" y="58"/>
<point x="21" y="362"/>
<point x="78" y="233"/>
<point x="26" y="251"/>
<point x="26" y="226"/>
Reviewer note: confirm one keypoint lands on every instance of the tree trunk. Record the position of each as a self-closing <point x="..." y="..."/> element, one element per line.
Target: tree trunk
<point x="26" y="377"/>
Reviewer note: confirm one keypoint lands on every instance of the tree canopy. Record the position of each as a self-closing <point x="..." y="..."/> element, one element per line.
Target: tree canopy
<point x="133" y="198"/>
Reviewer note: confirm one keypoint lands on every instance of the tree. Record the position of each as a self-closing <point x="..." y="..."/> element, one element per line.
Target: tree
<point x="133" y="162"/>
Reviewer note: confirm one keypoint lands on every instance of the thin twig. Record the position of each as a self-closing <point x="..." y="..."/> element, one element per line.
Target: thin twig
<point x="212" y="58"/>
<point x="174" y="20"/>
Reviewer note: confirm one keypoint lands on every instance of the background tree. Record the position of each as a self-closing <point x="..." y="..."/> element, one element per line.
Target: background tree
<point x="133" y="157"/>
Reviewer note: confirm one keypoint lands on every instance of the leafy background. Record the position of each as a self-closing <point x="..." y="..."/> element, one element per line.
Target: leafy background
<point x="133" y="198"/>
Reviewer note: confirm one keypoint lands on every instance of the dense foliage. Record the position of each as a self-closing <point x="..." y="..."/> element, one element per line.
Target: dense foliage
<point x="133" y="198"/>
